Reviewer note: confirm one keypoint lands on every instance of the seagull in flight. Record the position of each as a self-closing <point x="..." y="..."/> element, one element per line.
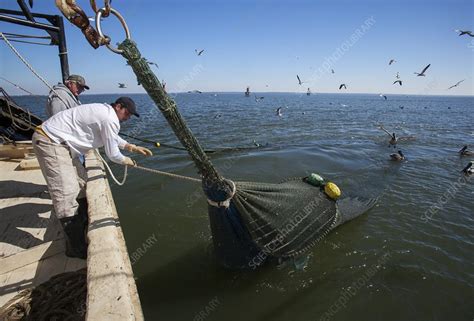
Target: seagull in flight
<point x="257" y="98"/>
<point x="397" y="81"/>
<point x="342" y="85"/>
<point x="397" y="76"/>
<point x="121" y="85"/>
<point x="422" y="73"/>
<point x="299" y="80"/>
<point x="465" y="32"/>
<point x="391" y="61"/>
<point x="199" y="52"/>
<point x="332" y="71"/>
<point x="457" y="84"/>
<point x="384" y="97"/>
<point x="151" y="63"/>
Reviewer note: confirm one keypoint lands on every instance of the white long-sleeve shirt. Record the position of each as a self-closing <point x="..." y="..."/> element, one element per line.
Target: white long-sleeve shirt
<point x="87" y="127"/>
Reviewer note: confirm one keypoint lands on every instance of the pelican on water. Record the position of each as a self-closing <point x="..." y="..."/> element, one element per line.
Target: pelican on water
<point x="394" y="139"/>
<point x="465" y="152"/>
<point x="397" y="156"/>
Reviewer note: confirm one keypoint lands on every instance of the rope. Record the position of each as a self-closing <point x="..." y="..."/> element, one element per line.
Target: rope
<point x="29" y="66"/>
<point x="146" y="169"/>
<point x="14" y="124"/>
<point x="111" y="173"/>
<point x="192" y="179"/>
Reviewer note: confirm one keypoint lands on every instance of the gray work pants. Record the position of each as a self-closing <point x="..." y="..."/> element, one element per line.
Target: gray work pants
<point x="60" y="173"/>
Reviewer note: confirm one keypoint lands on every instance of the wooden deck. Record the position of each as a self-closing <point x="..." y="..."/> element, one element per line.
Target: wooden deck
<point x="31" y="240"/>
<point x="32" y="243"/>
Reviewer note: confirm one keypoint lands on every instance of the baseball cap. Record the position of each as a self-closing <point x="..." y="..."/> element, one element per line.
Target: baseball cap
<point x="78" y="79"/>
<point x="129" y="104"/>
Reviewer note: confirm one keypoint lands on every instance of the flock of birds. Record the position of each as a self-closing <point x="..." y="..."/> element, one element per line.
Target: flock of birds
<point x="399" y="156"/>
<point x="394" y="139"/>
<point x="398" y="80"/>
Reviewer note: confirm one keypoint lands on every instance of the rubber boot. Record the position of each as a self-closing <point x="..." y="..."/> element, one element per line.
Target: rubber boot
<point x="74" y="236"/>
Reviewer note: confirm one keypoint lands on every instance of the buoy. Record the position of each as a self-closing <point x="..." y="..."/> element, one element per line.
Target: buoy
<point x="332" y="190"/>
<point x="315" y="179"/>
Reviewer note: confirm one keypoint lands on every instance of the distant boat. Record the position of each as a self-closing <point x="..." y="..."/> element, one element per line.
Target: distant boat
<point x="247" y="92"/>
<point x="308" y="92"/>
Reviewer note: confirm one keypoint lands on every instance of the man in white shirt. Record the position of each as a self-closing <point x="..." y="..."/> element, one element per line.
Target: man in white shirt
<point x="76" y="131"/>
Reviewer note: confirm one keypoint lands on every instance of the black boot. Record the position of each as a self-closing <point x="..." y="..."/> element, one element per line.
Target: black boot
<point x="74" y="235"/>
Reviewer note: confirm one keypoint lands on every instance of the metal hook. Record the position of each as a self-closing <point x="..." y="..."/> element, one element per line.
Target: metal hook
<point x="98" y="16"/>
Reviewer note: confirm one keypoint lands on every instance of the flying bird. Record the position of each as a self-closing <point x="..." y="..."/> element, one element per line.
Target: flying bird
<point x="422" y="73"/>
<point x="121" y="85"/>
<point x="397" y="76"/>
<point x="199" y="52"/>
<point x="342" y="85"/>
<point x="385" y="97"/>
<point x="397" y="81"/>
<point x="151" y="63"/>
<point x="465" y="32"/>
<point x="391" y="61"/>
<point x="457" y="84"/>
<point x="299" y="80"/>
<point x="258" y="98"/>
<point x="332" y="71"/>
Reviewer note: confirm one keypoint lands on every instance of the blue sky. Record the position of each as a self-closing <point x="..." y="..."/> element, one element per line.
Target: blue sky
<point x="264" y="45"/>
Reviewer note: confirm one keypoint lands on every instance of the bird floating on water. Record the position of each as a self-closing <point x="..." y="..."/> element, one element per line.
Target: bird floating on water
<point x="465" y="152"/>
<point x="394" y="139"/>
<point x="468" y="170"/>
<point x="465" y="32"/>
<point x="397" y="81"/>
<point x="121" y="85"/>
<point x="198" y="52"/>
<point x="397" y="156"/>
<point x="391" y="61"/>
<point x="457" y="84"/>
<point x="384" y="97"/>
<point x="342" y="86"/>
<point x="422" y="73"/>
<point x="278" y="112"/>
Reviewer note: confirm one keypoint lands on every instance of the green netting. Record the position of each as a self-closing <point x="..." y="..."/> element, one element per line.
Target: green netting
<point x="281" y="220"/>
<point x="284" y="219"/>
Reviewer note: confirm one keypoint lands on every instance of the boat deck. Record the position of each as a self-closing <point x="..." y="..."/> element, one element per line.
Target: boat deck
<point x="32" y="247"/>
<point x="31" y="240"/>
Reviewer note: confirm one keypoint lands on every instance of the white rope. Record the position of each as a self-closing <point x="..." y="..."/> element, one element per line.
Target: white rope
<point x="110" y="171"/>
<point x="29" y="66"/>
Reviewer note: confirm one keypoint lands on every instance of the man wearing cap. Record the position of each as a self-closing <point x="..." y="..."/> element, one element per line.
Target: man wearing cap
<point x="65" y="96"/>
<point x="76" y="131"/>
<point x="62" y="97"/>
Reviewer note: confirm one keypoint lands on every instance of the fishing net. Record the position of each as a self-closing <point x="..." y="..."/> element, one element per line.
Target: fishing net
<point x="63" y="297"/>
<point x="250" y="222"/>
